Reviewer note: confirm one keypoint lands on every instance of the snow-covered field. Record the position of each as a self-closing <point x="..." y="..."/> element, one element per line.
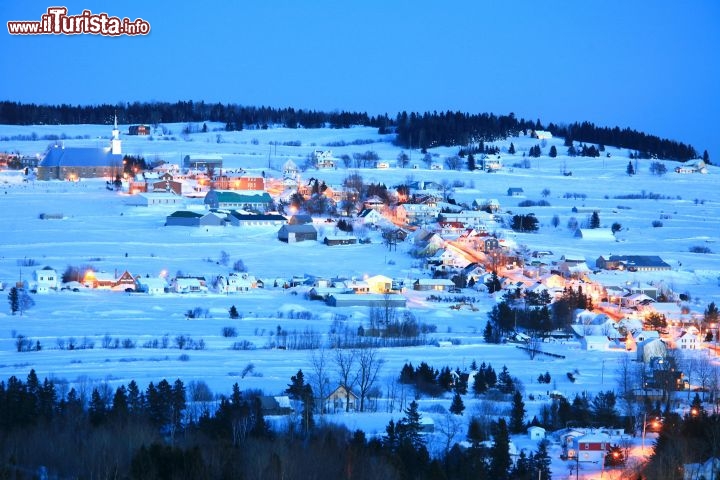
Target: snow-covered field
<point x="100" y="230"/>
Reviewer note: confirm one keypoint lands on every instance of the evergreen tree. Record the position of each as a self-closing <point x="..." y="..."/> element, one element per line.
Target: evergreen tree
<point x="595" y="220"/>
<point x="517" y="414"/>
<point x="97" y="409"/>
<point x="493" y="284"/>
<point x="706" y="157"/>
<point x="475" y="432"/>
<point x="630" y="170"/>
<point x="297" y="385"/>
<point x="135" y="399"/>
<point x="471" y="162"/>
<point x="541" y="461"/>
<point x="119" y="409"/>
<point x="457" y="407"/>
<point x="505" y="382"/>
<point x="234" y="313"/>
<point x="408" y="428"/>
<point x="511" y="150"/>
<point x="500" y="460"/>
<point x="711" y="314"/>
<point x="14" y="300"/>
<point x="553" y="152"/>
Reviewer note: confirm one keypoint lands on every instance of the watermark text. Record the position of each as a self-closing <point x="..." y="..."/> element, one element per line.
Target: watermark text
<point x="57" y="22"/>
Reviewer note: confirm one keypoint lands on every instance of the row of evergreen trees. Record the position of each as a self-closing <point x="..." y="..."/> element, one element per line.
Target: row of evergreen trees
<point x="233" y="115"/>
<point x="413" y="130"/>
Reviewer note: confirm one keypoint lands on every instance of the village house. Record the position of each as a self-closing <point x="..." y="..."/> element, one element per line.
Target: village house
<point x="166" y="183"/>
<point x="491" y="163"/>
<point x="633" y="263"/>
<point x="152" y="199"/>
<point x="436" y="284"/>
<point x="203" y="162"/>
<point x="186" y="218"/>
<point x="323" y="159"/>
<point x="290" y="169"/>
<point x="379" y="284"/>
<point x="692" y="166"/>
<point x="229" y="200"/>
<point x="238" y="219"/>
<point x="236" y="283"/>
<point x="152" y="285"/>
<point x="416" y="214"/>
<point x="300" y="219"/>
<point x="471" y="218"/>
<point x="333" y="240"/>
<point x="45" y="279"/>
<point x="370" y="217"/>
<point x="109" y="281"/>
<point x="297" y="233"/>
<point x="541" y="134"/>
<point x="374" y="203"/>
<point x="338" y="401"/>
<point x="515" y="191"/>
<point x="491" y="205"/>
<point x="689" y="340"/>
<point x="189" y="285"/>
<point x="594" y="342"/>
<point x="138" y="130"/>
<point x="573" y="266"/>
<point x="591" y="447"/>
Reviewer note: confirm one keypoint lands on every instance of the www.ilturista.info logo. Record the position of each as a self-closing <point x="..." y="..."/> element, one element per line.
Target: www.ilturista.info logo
<point x="57" y="22"/>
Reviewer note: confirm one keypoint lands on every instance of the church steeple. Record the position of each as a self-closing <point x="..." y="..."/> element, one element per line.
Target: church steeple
<point x="115" y="143"/>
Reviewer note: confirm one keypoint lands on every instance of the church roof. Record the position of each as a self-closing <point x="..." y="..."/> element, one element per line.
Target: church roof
<point x="58" y="156"/>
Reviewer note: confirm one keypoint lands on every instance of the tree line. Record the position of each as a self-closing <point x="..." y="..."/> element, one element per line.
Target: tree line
<point x="413" y="130"/>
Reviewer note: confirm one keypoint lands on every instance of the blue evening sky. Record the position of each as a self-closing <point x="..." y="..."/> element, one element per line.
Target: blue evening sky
<point x="649" y="65"/>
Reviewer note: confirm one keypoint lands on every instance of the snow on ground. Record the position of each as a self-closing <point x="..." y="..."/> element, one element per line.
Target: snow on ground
<point x="100" y="230"/>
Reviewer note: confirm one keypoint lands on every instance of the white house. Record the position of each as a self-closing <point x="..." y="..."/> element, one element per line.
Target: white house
<point x="235" y="283"/>
<point x="594" y="342"/>
<point x="370" y="217"/>
<point x="152" y="285"/>
<point x="689" y="340"/>
<point x="45" y="280"/>
<point x="152" y="199"/>
<point x="379" y="283"/>
<point x="189" y="285"/>
<point x="323" y="159"/>
<point x="542" y="135"/>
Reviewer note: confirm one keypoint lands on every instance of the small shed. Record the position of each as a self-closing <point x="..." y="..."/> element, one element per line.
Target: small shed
<point x="515" y="191"/>
<point x="536" y="433"/>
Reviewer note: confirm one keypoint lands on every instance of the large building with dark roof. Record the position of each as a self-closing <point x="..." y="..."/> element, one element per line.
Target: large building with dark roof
<point x="633" y="263"/>
<point x="74" y="163"/>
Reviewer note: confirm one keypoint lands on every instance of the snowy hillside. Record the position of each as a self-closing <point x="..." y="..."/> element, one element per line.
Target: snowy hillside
<point x="99" y="230"/>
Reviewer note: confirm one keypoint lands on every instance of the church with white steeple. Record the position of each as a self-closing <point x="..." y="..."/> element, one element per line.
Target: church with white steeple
<point x="73" y="163"/>
<point x="116" y="143"/>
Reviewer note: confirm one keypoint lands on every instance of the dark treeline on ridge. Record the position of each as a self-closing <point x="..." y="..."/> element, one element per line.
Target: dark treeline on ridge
<point x="413" y="130"/>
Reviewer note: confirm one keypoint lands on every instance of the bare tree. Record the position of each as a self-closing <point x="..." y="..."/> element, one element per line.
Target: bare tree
<point x="369" y="365"/>
<point x="347" y="374"/>
<point x="449" y="427"/>
<point x="704" y="372"/>
<point x="534" y="345"/>
<point x="319" y="379"/>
